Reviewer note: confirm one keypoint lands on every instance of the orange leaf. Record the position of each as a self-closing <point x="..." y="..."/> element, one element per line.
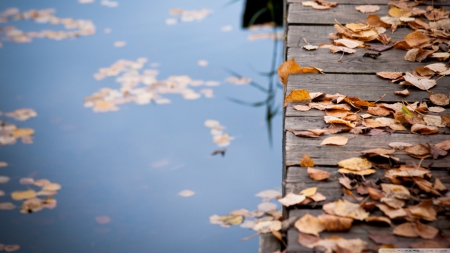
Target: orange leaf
<point x="306" y="161"/>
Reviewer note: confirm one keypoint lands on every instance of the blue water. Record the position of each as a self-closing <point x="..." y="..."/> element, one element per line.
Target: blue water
<point x="104" y="160"/>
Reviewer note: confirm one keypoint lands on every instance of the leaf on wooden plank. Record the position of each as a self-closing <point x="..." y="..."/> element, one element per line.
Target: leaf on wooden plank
<point x="291" y="67"/>
<point x="378" y="152"/>
<point x="397" y="191"/>
<point x="423" y="210"/>
<point x="437" y="67"/>
<point x="416" y="38"/>
<point x="335" y="141"/>
<point x="418" y="151"/>
<point x="347" y="209"/>
<point x="309" y="224"/>
<point x="441" y="56"/>
<point x="424" y="231"/>
<point x="407" y="171"/>
<point x="306" y="161"/>
<point x="399" y="145"/>
<point x="427" y="244"/>
<point x="267" y="226"/>
<point x="334" y="223"/>
<point x="317" y="131"/>
<point x="374" y="194"/>
<point x="309" y="191"/>
<point x="425" y="186"/>
<point x="334" y="120"/>
<point x="355" y="164"/>
<point x="396" y="12"/>
<point x="432" y="120"/>
<point x="329" y="105"/>
<point x="315" y="5"/>
<point x="307" y="240"/>
<point x="347" y="183"/>
<point x="302" y="108"/>
<point x="393" y="202"/>
<point x="382" y="238"/>
<point x="424" y="129"/>
<point x="438" y="99"/>
<point x="436" y="109"/>
<point x="379" y="48"/>
<point x="310" y="47"/>
<point x="404" y="92"/>
<point x="423" y="84"/>
<point x="378" y="111"/>
<point x="338" y="113"/>
<point x="349" y="43"/>
<point x="318" y="175"/>
<point x="390" y="75"/>
<point x="367" y="8"/>
<point x="392" y="212"/>
<point x="329" y="208"/>
<point x="444" y="145"/>
<point x="406" y="230"/>
<point x="379" y="219"/>
<point x="337" y="49"/>
<point x="357" y="102"/>
<point x="424" y="71"/>
<point x="438" y="185"/>
<point x="362" y="190"/>
<point x="297" y="96"/>
<point x="445" y="120"/>
<point x="317" y="197"/>
<point x="21" y="195"/>
<point x="374" y="21"/>
<point x="291" y="199"/>
<point x="307" y="134"/>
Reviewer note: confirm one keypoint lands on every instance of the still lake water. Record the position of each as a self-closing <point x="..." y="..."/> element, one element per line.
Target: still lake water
<point x="130" y="164"/>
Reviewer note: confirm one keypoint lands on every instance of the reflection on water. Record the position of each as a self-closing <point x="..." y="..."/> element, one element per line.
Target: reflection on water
<point x="142" y="174"/>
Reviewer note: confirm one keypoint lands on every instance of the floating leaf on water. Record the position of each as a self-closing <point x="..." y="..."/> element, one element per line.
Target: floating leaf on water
<point x="41" y="182"/>
<point x="51" y="187"/>
<point x="12" y="247"/>
<point x="4" y="179"/>
<point x="3" y="164"/>
<point x="186" y="193"/>
<point x="102" y="219"/>
<point x="22" y="132"/>
<point x="269" y="194"/>
<point x="267" y="206"/>
<point x="7" y="206"/>
<point x="26" y="180"/>
<point x="21" y="195"/>
<point x="267" y="226"/>
<point x="22" y="114"/>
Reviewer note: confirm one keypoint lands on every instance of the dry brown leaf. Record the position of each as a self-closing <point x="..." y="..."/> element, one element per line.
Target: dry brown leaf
<point x="424" y="71"/>
<point x="22" y="132"/>
<point x="390" y="75"/>
<point x="397" y="191"/>
<point x="309" y="191"/>
<point x="347" y="183"/>
<point x="309" y="224"/>
<point x="406" y="229"/>
<point x="445" y="120"/>
<point x="416" y="39"/>
<point x="418" y="151"/>
<point x="404" y="92"/>
<point x="374" y="194"/>
<point x="357" y="27"/>
<point x="392" y="212"/>
<point x="328" y="105"/>
<point x="378" y="152"/>
<point x="433" y="121"/>
<point x="424" y="231"/>
<point x="318" y="197"/>
<point x="374" y="21"/>
<point x="328" y="208"/>
<point x="7" y="206"/>
<point x="367" y="8"/>
<point x="355" y="164"/>
<point x="396" y="12"/>
<point x="297" y="96"/>
<point x="317" y="132"/>
<point x="334" y="120"/>
<point x="291" y="67"/>
<point x="306" y="161"/>
<point x="318" y="175"/>
<point x="378" y="111"/>
<point x="379" y="219"/>
<point x="349" y="43"/>
<point x="291" y="199"/>
<point x="302" y="108"/>
<point x="336" y="49"/>
<point x="423" y="84"/>
<point x="424" y="210"/>
<point x="393" y="202"/>
<point x="424" y="129"/>
<point x="335" y="223"/>
<point x="347" y="209"/>
<point x="438" y="99"/>
<point x="335" y="141"/>
<point x="357" y="102"/>
<point x="439" y="186"/>
<point x="307" y="240"/>
<point x="425" y="186"/>
<point x="444" y="145"/>
<point x="310" y="47"/>
<point x="301" y="133"/>
<point x="21" y="195"/>
<point x="436" y="109"/>
<point x="399" y="145"/>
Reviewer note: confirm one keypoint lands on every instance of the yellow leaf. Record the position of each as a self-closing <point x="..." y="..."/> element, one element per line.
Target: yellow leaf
<point x="309" y="191"/>
<point x="355" y="164"/>
<point x="21" y="195"/>
<point x="309" y="224"/>
<point x="21" y="132"/>
<point x="297" y="96"/>
<point x="306" y="161"/>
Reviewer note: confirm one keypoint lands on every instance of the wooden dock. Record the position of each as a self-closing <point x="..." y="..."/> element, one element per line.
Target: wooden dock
<point x="355" y="76"/>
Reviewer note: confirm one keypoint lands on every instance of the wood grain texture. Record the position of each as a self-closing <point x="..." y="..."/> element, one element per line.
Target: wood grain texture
<point x="326" y="155"/>
<point x="364" y="2"/>
<point x="391" y="60"/>
<point x="316" y="35"/>
<point x="358" y="230"/>
<point x="301" y="15"/>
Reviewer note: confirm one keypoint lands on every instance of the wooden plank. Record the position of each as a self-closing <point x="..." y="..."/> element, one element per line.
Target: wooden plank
<point x="391" y="60"/>
<point x="364" y="2"/>
<point x="268" y="243"/>
<point x="316" y="35"/>
<point x="348" y="1"/>
<point x="358" y="230"/>
<point x="299" y="14"/>
<point x="366" y="87"/>
<point x="325" y="155"/>
<point x="297" y="179"/>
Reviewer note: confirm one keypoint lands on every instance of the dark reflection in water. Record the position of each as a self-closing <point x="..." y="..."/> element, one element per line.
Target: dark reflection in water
<point x="141" y="178"/>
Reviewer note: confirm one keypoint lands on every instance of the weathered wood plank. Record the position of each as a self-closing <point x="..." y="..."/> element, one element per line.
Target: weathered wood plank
<point x="325" y="155"/>
<point x="268" y="243"/>
<point x="391" y="60"/>
<point x="316" y="35"/>
<point x="299" y="14"/>
<point x="297" y="179"/>
<point x="358" y="230"/>
<point x="366" y="87"/>
<point x="364" y="2"/>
